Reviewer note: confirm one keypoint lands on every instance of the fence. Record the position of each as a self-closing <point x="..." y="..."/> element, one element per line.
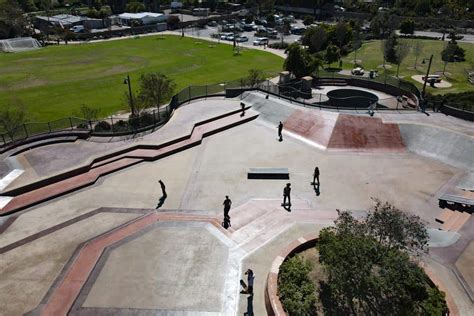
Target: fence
<point x="151" y="118"/>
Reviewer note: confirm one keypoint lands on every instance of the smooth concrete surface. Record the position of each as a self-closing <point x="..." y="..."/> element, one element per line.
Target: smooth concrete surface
<point x="465" y="264"/>
<point x="439" y="144"/>
<point x="203" y="271"/>
<point x="27" y="272"/>
<point x="173" y="268"/>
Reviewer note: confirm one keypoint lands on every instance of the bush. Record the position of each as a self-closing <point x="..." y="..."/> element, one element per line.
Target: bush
<point x="279" y="45"/>
<point x="308" y="20"/>
<point x="295" y="288"/>
<point x="82" y="126"/>
<point x="121" y="126"/>
<point x="146" y="119"/>
<point x="102" y="126"/>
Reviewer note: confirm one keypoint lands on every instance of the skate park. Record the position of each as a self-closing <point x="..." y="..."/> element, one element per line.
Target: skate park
<point x="82" y="234"/>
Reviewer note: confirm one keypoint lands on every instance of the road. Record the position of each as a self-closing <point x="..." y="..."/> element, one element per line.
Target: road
<point x="468" y="38"/>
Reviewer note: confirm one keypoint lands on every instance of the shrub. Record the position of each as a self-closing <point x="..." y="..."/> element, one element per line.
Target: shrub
<point x="82" y="126"/>
<point x="102" y="126"/>
<point x="308" y="20"/>
<point x="172" y="21"/>
<point x="146" y="119"/>
<point x="279" y="45"/>
<point x="120" y="126"/>
<point x="295" y="288"/>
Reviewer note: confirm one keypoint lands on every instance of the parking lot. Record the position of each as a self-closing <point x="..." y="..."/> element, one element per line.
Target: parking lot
<point x="209" y="30"/>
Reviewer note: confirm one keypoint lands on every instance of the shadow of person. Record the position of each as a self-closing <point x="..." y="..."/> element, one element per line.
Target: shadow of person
<point x="161" y="201"/>
<point x="287" y="207"/>
<point x="316" y="189"/>
<point x="249" y="311"/>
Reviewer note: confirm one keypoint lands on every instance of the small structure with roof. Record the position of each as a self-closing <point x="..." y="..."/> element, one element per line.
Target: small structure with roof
<point x="143" y="18"/>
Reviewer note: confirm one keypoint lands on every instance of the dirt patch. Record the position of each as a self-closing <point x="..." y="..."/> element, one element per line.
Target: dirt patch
<point x="117" y="70"/>
<point x="29" y="83"/>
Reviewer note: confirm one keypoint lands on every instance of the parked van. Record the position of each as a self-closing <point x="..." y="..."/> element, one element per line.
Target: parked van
<point x="436" y="78"/>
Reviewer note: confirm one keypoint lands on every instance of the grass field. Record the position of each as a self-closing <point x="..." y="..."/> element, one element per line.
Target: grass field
<point x="54" y="81"/>
<point x="370" y="55"/>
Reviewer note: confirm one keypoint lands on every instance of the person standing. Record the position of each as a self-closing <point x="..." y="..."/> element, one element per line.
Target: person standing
<point x="250" y="279"/>
<point x="286" y="195"/>
<point x="280" y="129"/>
<point x="227" y="204"/>
<point x="316" y="175"/>
<point x="242" y="105"/>
<point x="163" y="189"/>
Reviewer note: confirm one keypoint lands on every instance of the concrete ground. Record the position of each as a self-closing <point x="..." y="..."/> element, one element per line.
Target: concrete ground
<point x="189" y="266"/>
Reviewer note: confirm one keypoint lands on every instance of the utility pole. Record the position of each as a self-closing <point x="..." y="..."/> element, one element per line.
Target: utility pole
<point x="423" y="92"/>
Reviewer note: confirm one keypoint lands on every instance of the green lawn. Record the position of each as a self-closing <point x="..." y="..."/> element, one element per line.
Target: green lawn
<point x="54" y="81"/>
<point x="370" y="55"/>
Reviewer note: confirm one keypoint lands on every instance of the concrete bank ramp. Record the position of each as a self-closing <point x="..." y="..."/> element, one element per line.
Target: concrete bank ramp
<point x="440" y="144"/>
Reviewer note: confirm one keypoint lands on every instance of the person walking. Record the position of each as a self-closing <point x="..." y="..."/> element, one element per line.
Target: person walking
<point x="163" y="189"/>
<point x="280" y="129"/>
<point x="250" y="279"/>
<point x="316" y="175"/>
<point x="242" y="105"/>
<point x="227" y="204"/>
<point x="286" y="195"/>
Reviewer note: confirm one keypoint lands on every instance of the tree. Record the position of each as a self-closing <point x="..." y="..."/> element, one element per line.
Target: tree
<point x="298" y="61"/>
<point x="370" y="265"/>
<point x="403" y="49"/>
<point x="155" y="89"/>
<point x="417" y="50"/>
<point x="315" y="38"/>
<point x="88" y="113"/>
<point x="135" y="7"/>
<point x="117" y="6"/>
<point x="295" y="288"/>
<point x="308" y="20"/>
<point x="342" y="34"/>
<point x="333" y="54"/>
<point x="11" y="118"/>
<point x="12" y="20"/>
<point x="356" y="43"/>
<point x="407" y="27"/>
<point x="452" y="52"/>
<point x="390" y="48"/>
<point x="255" y="77"/>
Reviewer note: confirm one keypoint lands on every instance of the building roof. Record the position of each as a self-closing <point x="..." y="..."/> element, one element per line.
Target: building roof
<point x="62" y="19"/>
<point x="140" y="15"/>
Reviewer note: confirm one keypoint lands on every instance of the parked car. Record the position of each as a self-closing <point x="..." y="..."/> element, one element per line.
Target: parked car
<point x="241" y="39"/>
<point x="358" y="71"/>
<point x="297" y="30"/>
<point x="436" y="78"/>
<point x="225" y="35"/>
<point x="248" y="27"/>
<point x="77" y="29"/>
<point x="230" y="37"/>
<point x="212" y="23"/>
<point x="260" y="41"/>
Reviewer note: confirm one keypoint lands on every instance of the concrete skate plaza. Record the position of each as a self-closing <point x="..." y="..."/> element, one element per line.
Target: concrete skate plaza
<point x="101" y="247"/>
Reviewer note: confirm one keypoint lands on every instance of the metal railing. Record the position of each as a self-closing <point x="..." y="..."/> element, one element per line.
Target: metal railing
<point x="151" y="118"/>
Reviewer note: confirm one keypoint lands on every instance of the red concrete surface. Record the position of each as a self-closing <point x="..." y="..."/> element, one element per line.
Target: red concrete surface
<point x="361" y="133"/>
<point x="121" y="161"/>
<point x="64" y="295"/>
<point x="316" y="127"/>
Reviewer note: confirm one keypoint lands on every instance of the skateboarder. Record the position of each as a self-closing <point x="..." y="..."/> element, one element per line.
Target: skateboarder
<point x="227" y="203"/>
<point x="286" y="195"/>
<point x="250" y="278"/>
<point x="280" y="129"/>
<point x="371" y="108"/>
<point x="242" y="105"/>
<point x="163" y="189"/>
<point x="316" y="175"/>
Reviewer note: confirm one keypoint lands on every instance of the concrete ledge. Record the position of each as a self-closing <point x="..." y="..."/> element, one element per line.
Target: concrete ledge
<point x="268" y="173"/>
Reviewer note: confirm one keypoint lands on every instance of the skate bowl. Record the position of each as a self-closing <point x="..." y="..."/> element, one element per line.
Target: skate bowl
<point x="351" y="98"/>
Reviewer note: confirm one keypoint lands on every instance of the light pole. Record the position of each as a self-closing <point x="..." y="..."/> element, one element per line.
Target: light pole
<point x="426" y="77"/>
<point x="182" y="25"/>
<point x="127" y="81"/>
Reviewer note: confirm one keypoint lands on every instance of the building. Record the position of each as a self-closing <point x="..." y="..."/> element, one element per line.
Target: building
<point x="141" y="18"/>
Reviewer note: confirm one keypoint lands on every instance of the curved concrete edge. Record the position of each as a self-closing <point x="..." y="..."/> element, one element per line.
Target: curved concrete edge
<point x="439" y="144"/>
<point x="441" y="238"/>
<point x="272" y="301"/>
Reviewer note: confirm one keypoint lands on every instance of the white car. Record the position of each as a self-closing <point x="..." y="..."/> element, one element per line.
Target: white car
<point x="260" y="41"/>
<point x="241" y="39"/>
<point x="358" y="71"/>
<point x="225" y="35"/>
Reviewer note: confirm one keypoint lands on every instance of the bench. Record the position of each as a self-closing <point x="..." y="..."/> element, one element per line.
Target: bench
<point x="268" y="173"/>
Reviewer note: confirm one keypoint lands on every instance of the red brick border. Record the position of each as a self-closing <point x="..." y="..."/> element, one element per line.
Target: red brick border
<point x="272" y="301"/>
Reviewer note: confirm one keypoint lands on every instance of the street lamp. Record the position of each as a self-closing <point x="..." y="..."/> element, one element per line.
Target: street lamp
<point x="182" y="25"/>
<point x="127" y="81"/>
